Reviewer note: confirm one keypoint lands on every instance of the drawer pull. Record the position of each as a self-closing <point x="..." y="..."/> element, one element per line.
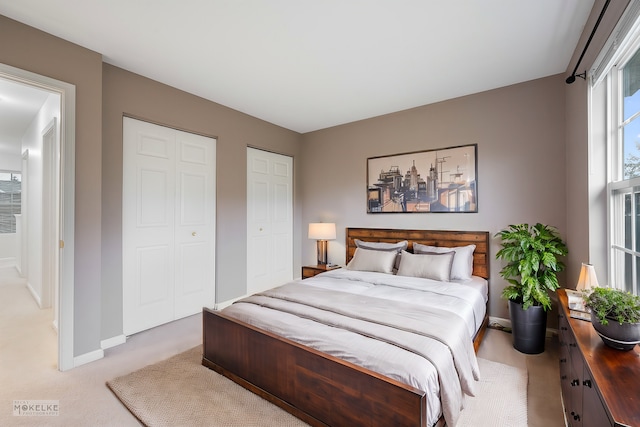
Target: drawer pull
<point x="563" y="360"/>
<point x="586" y="383"/>
<point x="575" y="383"/>
<point x="572" y="344"/>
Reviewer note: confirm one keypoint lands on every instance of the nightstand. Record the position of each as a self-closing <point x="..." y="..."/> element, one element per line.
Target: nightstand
<point x="312" y="270"/>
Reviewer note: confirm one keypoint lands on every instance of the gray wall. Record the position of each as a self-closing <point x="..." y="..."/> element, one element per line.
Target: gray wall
<point x="521" y="165"/>
<point x="126" y="93"/>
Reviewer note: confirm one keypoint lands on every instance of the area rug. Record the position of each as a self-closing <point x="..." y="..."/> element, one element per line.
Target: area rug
<point x="181" y="392"/>
<point x="501" y="400"/>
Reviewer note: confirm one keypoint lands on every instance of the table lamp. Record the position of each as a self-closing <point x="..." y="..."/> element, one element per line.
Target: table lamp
<point x="322" y="231"/>
<point x="587" y="279"/>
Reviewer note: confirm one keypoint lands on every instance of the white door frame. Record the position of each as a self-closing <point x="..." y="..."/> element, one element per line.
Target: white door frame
<point x="24" y="209"/>
<point x="67" y="94"/>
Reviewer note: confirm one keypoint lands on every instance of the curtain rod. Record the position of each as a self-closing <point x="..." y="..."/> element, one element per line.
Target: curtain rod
<point x="572" y="77"/>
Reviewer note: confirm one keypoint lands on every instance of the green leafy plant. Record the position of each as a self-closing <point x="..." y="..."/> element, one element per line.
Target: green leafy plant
<point x="532" y="254"/>
<point x="614" y="304"/>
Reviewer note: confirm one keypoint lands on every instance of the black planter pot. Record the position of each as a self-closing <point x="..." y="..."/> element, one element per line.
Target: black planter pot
<point x="529" y="327"/>
<point x="621" y="337"/>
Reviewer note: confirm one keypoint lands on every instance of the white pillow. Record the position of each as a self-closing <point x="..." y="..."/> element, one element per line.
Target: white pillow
<point x="436" y="266"/>
<point x="370" y="260"/>
<point x="462" y="266"/>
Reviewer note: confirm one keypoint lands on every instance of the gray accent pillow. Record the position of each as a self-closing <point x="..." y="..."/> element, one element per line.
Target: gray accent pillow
<point x="370" y="260"/>
<point x="436" y="266"/>
<point x="383" y="246"/>
<point x="462" y="267"/>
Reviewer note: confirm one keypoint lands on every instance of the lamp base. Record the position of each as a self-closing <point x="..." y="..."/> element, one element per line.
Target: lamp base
<point x="322" y="252"/>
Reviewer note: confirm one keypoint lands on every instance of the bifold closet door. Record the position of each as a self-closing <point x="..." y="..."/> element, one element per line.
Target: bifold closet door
<point x="168" y="224"/>
<point x="269" y="220"/>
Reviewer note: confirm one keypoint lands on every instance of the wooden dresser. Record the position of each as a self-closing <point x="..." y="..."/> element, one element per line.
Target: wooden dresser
<point x="600" y="385"/>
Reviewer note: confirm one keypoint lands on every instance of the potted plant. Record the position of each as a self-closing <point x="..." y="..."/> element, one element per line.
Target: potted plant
<point x="615" y="315"/>
<point x="532" y="254"/>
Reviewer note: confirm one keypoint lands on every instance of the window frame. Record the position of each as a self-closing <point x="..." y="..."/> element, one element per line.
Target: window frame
<point x="619" y="187"/>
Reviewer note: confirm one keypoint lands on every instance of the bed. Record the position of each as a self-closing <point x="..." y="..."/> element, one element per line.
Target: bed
<point x="319" y="377"/>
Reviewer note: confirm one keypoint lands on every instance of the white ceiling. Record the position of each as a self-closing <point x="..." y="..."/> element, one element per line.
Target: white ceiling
<point x="308" y="65"/>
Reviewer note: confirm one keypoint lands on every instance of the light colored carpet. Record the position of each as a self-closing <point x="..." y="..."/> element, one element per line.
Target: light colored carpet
<point x="501" y="399"/>
<point x="181" y="392"/>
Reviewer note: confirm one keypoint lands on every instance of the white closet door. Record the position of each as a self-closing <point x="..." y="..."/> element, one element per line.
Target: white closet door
<point x="195" y="226"/>
<point x="168" y="224"/>
<point x="269" y="220"/>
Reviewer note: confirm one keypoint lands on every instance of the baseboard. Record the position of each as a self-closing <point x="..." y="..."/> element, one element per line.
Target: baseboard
<point x="113" y="341"/>
<point x="83" y="359"/>
<point x="35" y="295"/>
<point x="500" y="321"/>
<point x="506" y="323"/>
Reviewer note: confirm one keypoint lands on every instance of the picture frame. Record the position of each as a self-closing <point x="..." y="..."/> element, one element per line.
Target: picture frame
<point x="430" y="181"/>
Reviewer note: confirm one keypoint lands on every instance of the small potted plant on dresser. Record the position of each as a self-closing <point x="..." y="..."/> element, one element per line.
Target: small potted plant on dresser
<point x="615" y="315"/>
<point x="532" y="254"/>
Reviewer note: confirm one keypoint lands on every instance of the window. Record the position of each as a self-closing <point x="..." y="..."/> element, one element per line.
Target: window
<point x="625" y="174"/>
<point x="10" y="199"/>
<point x="617" y="78"/>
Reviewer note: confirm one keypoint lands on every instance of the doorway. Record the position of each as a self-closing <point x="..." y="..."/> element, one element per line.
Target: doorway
<point x="60" y="180"/>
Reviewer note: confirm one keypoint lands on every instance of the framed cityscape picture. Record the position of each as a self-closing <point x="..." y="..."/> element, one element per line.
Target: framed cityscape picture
<point x="440" y="180"/>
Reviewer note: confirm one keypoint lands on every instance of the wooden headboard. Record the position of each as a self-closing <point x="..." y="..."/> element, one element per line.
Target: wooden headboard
<point x="427" y="237"/>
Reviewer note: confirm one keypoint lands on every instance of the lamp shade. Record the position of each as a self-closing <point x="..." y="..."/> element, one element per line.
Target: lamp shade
<point x="322" y="231"/>
<point x="587" y="279"/>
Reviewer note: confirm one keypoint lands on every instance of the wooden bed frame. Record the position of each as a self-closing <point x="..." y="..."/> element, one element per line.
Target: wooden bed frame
<point x="318" y="388"/>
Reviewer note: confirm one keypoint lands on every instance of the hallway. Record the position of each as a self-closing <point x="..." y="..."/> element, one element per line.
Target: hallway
<point x="27" y="336"/>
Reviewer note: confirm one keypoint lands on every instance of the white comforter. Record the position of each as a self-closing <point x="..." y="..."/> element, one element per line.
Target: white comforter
<point x="417" y="331"/>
